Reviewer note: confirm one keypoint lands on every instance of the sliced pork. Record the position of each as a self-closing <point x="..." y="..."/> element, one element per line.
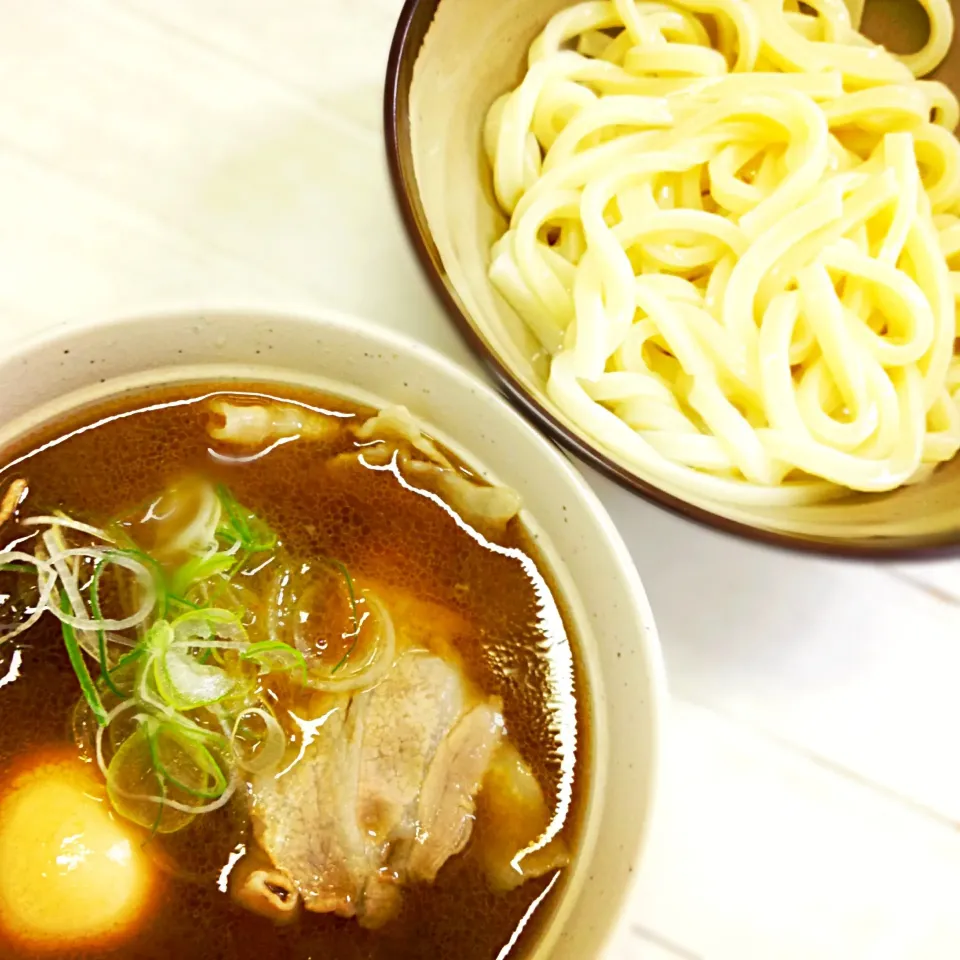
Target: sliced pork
<point x="514" y="817"/>
<point x="384" y="792"/>
<point x="306" y="820"/>
<point x="447" y="800"/>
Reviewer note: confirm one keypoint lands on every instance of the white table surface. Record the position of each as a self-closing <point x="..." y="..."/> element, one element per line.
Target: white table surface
<point x="170" y="153"/>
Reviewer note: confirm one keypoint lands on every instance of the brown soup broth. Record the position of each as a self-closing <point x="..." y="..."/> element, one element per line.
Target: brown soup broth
<point x="117" y="455"/>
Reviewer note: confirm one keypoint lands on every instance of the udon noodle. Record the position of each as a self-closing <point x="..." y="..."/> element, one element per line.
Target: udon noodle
<point x="735" y="229"/>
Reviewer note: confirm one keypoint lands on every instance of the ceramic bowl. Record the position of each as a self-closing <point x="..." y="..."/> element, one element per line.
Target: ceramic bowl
<point x="69" y="367"/>
<point x="450" y="60"/>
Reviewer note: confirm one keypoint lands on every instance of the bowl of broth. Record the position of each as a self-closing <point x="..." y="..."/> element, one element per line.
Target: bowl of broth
<point x="697" y="245"/>
<point x="309" y="646"/>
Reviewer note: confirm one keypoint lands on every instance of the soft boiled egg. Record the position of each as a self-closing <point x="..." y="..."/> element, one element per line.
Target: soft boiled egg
<point x="70" y="872"/>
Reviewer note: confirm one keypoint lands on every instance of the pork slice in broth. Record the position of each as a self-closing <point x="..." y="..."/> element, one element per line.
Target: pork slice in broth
<point x="384" y="794"/>
<point x="401" y="724"/>
<point x="392" y="433"/>
<point x="306" y="822"/>
<point x="447" y="800"/>
<point x="514" y="820"/>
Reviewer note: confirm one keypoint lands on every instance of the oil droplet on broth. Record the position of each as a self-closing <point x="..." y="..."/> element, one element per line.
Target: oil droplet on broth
<point x="71" y="874"/>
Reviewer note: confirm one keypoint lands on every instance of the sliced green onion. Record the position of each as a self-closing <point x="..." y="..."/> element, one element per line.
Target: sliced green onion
<point x="62" y="520"/>
<point x="101" y="633"/>
<point x="272" y="746"/>
<point x="197" y="716"/>
<point x="236" y="565"/>
<point x="182" y="602"/>
<point x="155" y="828"/>
<point x="159" y="636"/>
<point x="200" y="568"/>
<point x="80" y="620"/>
<point x="209" y="765"/>
<point x="47" y="578"/>
<point x="208" y="622"/>
<point x="132" y="657"/>
<point x="377" y="665"/>
<point x="186" y="684"/>
<point x="243" y="525"/>
<point x="196" y="752"/>
<point x="197" y="734"/>
<point x="238" y="524"/>
<point x="80" y="669"/>
<point x="136" y="786"/>
<point x="181" y="680"/>
<point x="134" y="782"/>
<point x="209" y="646"/>
<point x="274" y="656"/>
<point x="159" y="577"/>
<point x="353" y="613"/>
<point x="111" y="716"/>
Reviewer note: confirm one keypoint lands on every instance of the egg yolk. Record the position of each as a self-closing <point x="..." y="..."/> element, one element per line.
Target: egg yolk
<point x="70" y="873"/>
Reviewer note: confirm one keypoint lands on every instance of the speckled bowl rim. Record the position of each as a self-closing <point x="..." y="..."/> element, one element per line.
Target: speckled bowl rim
<point x="415" y="19"/>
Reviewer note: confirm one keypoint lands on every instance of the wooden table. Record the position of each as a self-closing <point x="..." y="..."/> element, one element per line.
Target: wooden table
<point x="169" y="153"/>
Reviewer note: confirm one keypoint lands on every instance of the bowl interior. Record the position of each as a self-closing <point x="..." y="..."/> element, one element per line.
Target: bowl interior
<point x="451" y="60"/>
<point x="592" y="567"/>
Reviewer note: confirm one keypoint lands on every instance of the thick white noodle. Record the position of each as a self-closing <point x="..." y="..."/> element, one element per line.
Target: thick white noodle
<point x="742" y="254"/>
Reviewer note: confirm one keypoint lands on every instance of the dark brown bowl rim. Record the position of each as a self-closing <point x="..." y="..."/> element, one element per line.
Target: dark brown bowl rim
<point x="404" y="51"/>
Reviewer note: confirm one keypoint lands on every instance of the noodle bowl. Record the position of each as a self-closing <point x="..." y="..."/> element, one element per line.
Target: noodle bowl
<point x="733" y="228"/>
